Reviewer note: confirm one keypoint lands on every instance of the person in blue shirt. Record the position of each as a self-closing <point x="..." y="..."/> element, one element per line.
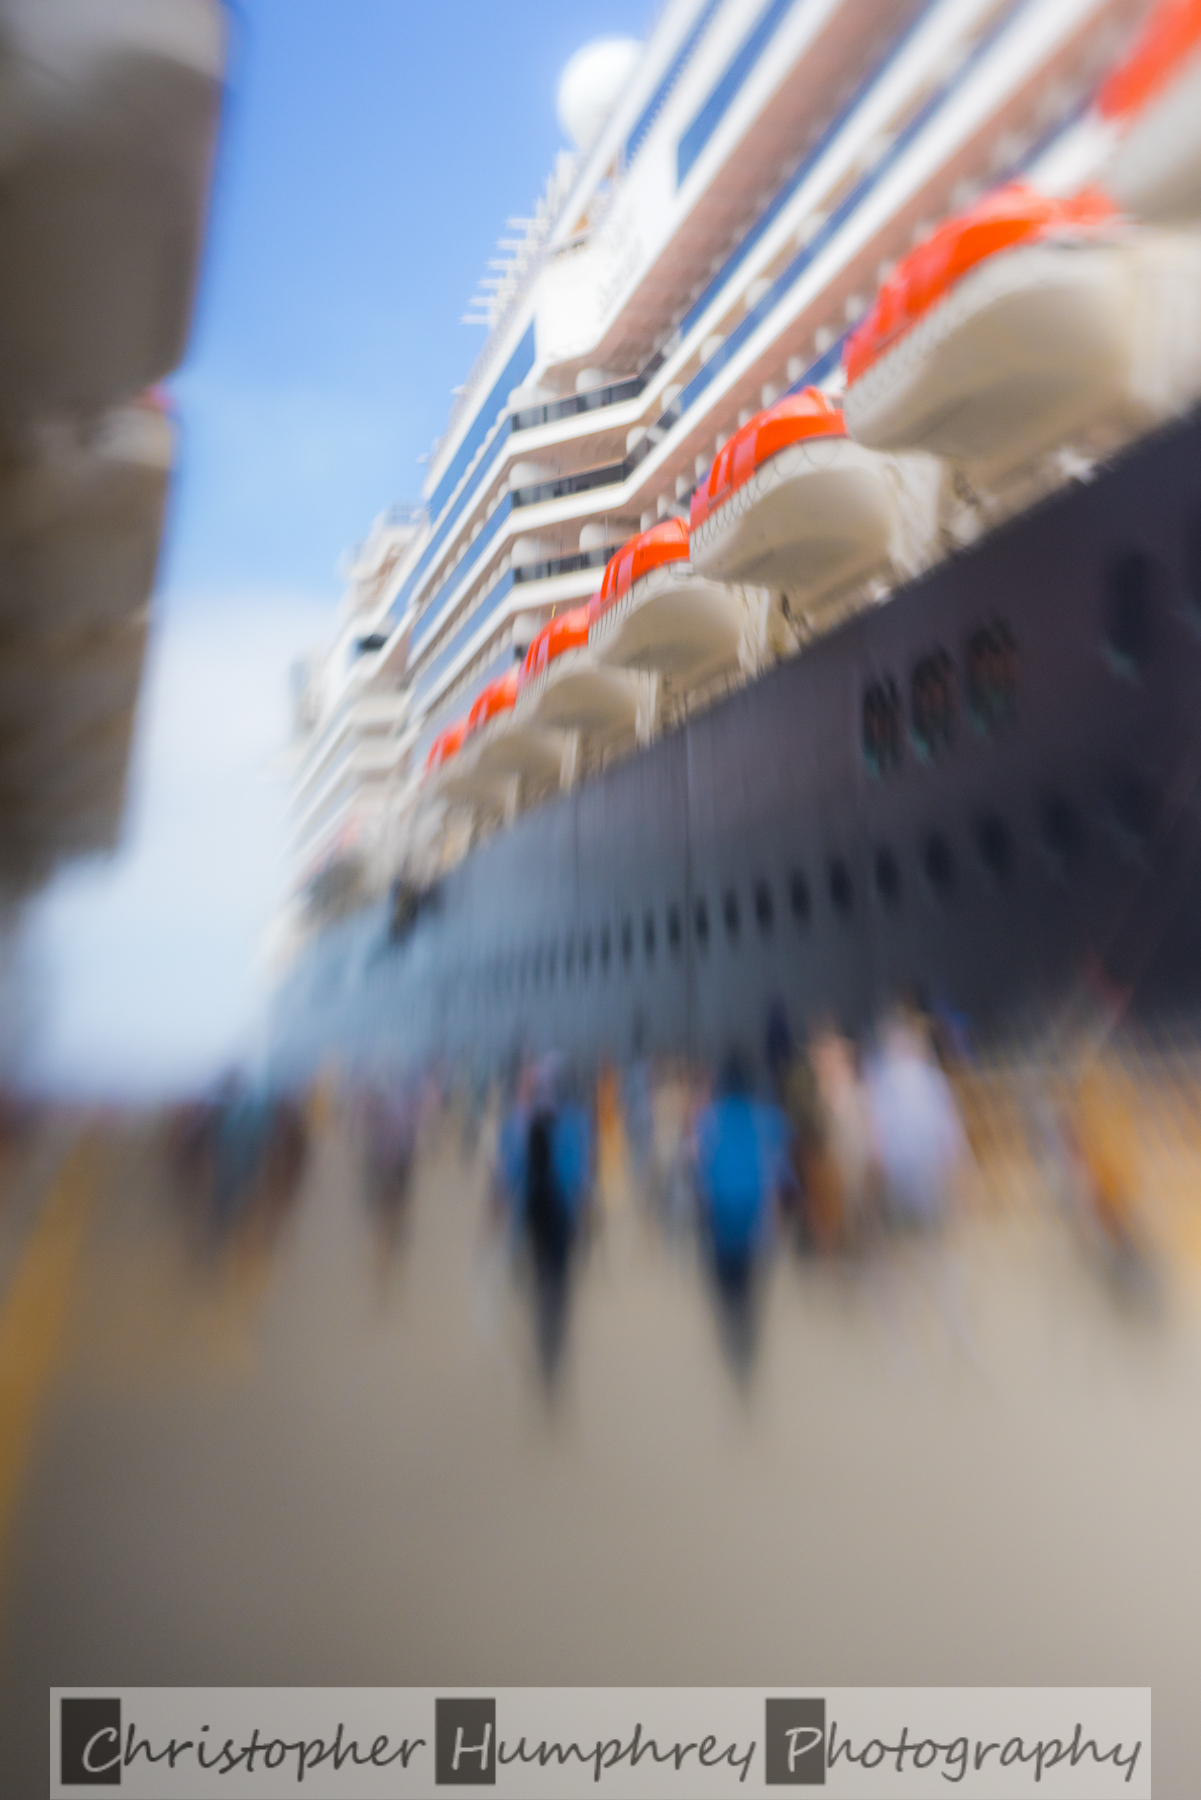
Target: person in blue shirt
<point x="742" y="1166"/>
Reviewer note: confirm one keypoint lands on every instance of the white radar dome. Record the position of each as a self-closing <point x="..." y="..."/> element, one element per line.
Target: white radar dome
<point x="592" y="84"/>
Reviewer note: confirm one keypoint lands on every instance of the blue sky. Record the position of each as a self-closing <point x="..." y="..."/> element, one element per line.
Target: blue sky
<point x="371" y="152"/>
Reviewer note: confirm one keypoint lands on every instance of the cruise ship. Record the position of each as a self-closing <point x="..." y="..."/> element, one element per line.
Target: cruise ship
<point x="804" y="605"/>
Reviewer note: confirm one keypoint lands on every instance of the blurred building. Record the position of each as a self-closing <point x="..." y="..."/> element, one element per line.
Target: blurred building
<point x="736" y="189"/>
<point x="108" y="118"/>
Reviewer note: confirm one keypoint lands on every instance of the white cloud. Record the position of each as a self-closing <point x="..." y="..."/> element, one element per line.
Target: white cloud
<point x="149" y="963"/>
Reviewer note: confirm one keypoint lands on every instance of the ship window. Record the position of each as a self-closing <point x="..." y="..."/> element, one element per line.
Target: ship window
<point x="1129" y="597"/>
<point x="606" y="947"/>
<point x="674" y="927"/>
<point x="730" y="913"/>
<point x="798" y="897"/>
<point x="701" y="922"/>
<point x="764" y="911"/>
<point x="995" y="844"/>
<point x="648" y="935"/>
<point x="882" y="728"/>
<point x="932" y="704"/>
<point x="991" y="677"/>
<point x="888" y="877"/>
<point x="938" y="860"/>
<point x="842" y="893"/>
<point x="627" y="940"/>
<point x="1063" y="833"/>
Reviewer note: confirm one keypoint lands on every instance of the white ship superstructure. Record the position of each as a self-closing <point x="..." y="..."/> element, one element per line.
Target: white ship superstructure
<point x="733" y="206"/>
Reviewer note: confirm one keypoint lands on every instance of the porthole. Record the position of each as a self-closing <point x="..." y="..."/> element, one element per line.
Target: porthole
<point x="883" y="729"/>
<point x="764" y="910"/>
<point x="700" y="920"/>
<point x="938" y="860"/>
<point x="1130" y="589"/>
<point x="648" y="935"/>
<point x="842" y="892"/>
<point x="932" y="705"/>
<point x="888" y="877"/>
<point x="1063" y="833"/>
<point x="730" y="913"/>
<point x="675" y="929"/>
<point x="994" y="840"/>
<point x="991" y="678"/>
<point x="798" y="897"/>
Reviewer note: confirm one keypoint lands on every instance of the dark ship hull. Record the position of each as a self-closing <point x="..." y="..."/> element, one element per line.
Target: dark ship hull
<point x="986" y="792"/>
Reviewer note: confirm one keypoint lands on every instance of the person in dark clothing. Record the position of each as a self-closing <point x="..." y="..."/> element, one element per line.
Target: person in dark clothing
<point x="548" y="1228"/>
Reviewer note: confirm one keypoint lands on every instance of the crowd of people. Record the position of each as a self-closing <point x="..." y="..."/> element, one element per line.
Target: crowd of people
<point x="833" y="1147"/>
<point x="827" y="1146"/>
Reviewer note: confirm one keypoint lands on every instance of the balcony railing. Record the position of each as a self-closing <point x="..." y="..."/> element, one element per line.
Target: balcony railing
<point x="565" y="485"/>
<point x="564" y="565"/>
<point x="613" y="395"/>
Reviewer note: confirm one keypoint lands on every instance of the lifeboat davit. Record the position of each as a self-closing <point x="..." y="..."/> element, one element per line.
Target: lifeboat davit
<point x="563" y="687"/>
<point x="1153" y="99"/>
<point x="1001" y="336"/>
<point x="792" y="503"/>
<point x="654" y="612"/>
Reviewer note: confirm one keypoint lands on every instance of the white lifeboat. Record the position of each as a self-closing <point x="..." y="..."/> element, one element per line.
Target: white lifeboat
<point x="1153" y="101"/>
<point x="563" y="687"/>
<point x="109" y="121"/>
<point x="791" y="503"/>
<point x="653" y="612"/>
<point x="1005" y="334"/>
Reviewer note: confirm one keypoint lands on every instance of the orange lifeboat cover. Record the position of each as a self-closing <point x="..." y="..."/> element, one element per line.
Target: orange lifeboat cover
<point x="447" y="744"/>
<point x="1171" y="36"/>
<point x="1015" y="214"/>
<point x="804" y="415"/>
<point x="567" y="631"/>
<point x="498" y="697"/>
<point x="666" y="542"/>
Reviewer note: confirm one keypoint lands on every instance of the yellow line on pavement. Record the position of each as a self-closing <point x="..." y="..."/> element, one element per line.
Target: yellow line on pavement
<point x="34" y="1316"/>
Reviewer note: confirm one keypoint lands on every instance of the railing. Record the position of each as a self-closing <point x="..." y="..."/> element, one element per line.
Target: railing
<point x="565" y="485"/>
<point x="617" y="391"/>
<point x="563" y="565"/>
